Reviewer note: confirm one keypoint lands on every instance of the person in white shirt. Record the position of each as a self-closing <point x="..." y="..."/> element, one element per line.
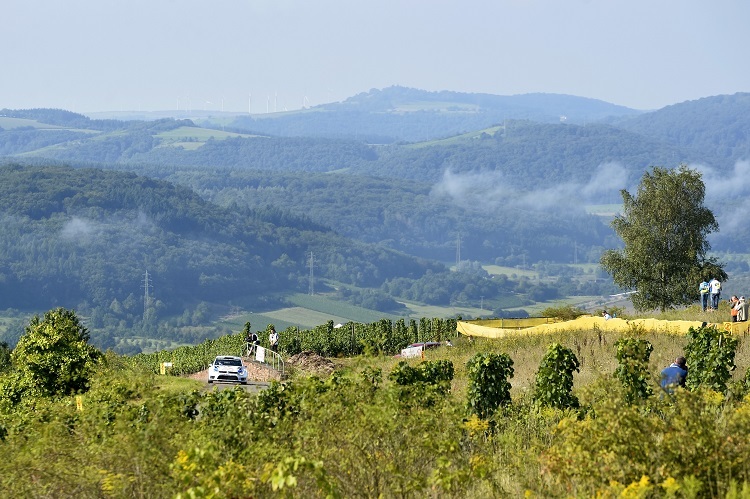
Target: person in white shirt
<point x="273" y="339"/>
<point x="715" y="286"/>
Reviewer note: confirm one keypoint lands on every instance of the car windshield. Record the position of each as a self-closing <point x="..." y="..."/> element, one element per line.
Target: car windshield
<point x="228" y="362"/>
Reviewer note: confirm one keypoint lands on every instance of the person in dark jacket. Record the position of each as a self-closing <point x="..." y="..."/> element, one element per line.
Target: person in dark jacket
<point x="674" y="375"/>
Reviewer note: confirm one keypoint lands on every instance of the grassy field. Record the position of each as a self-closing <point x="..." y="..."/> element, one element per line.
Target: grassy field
<point x="458" y="138"/>
<point x="11" y="123"/>
<point x="595" y="351"/>
<point x="511" y="271"/>
<point x="187" y="133"/>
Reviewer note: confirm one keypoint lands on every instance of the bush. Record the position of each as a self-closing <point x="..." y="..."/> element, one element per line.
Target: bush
<point x="710" y="358"/>
<point x="633" y="355"/>
<point x="554" y="379"/>
<point x="489" y="387"/>
<point x="565" y="312"/>
<point x="53" y="357"/>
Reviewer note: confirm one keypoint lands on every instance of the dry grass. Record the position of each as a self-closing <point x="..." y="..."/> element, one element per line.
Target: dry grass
<point x="594" y="349"/>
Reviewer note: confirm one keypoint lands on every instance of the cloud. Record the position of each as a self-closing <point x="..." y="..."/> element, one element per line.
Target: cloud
<point x="76" y="229"/>
<point x="489" y="191"/>
<point x="721" y="186"/>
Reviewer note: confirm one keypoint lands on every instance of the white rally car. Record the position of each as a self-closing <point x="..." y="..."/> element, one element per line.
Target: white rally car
<point x="227" y="368"/>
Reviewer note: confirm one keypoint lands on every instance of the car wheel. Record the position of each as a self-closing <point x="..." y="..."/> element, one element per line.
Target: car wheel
<point x="210" y="381"/>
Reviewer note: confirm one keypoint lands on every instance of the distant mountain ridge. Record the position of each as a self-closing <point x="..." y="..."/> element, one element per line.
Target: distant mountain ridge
<point x="523" y="159"/>
<point x="405" y="114"/>
<point x="719" y="125"/>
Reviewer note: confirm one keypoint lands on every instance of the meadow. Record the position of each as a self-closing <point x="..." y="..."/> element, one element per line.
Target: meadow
<point x="365" y="432"/>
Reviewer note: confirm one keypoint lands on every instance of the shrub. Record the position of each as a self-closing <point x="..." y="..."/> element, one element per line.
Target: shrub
<point x="489" y="387"/>
<point x="564" y="312"/>
<point x="710" y="357"/>
<point x="553" y="386"/>
<point x="632" y="356"/>
<point x="53" y="357"/>
<point x="425" y="383"/>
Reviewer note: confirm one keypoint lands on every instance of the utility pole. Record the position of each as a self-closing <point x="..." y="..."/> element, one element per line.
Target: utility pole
<point x="311" y="288"/>
<point x="458" y="251"/>
<point x="146" y="296"/>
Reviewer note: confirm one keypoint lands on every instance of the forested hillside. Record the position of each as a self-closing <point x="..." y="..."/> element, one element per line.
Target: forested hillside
<point x="84" y="238"/>
<point x="379" y="188"/>
<point x="718" y="126"/>
<point x="493" y="188"/>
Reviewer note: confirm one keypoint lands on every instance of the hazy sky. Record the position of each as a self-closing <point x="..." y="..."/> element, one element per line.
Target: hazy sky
<point x="112" y="55"/>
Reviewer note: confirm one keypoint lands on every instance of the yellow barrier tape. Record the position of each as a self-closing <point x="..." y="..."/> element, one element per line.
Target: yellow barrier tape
<point x="493" y="329"/>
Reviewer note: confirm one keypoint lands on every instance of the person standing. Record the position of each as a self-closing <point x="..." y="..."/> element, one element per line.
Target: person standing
<point x="741" y="309"/>
<point x="251" y="339"/>
<point x="252" y="343"/>
<point x="705" y="291"/>
<point x="674" y="375"/>
<point x="733" y="308"/>
<point x="715" y="287"/>
<point x="273" y="339"/>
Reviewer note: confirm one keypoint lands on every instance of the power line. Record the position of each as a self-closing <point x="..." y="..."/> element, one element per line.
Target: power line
<point x="311" y="288"/>
<point x="146" y="295"/>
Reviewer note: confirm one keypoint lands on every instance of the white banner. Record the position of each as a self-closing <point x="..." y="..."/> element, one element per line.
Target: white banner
<point x="260" y="354"/>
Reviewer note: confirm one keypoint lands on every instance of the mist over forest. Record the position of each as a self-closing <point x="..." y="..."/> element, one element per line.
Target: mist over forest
<point x="385" y="189"/>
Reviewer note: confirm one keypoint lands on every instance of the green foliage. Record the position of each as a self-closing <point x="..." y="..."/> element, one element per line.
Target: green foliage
<point x="352" y="435"/>
<point x="432" y="372"/>
<point x="699" y="442"/>
<point x="563" y="312"/>
<point x="633" y="355"/>
<point x="425" y="384"/>
<point x="5" y="352"/>
<point x="53" y="356"/>
<point x="665" y="229"/>
<point x="710" y="356"/>
<point x="553" y="385"/>
<point x="489" y="387"/>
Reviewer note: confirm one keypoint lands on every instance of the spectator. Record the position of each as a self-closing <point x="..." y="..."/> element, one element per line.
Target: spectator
<point x="733" y="308"/>
<point x="741" y="309"/>
<point x="715" y="289"/>
<point x="674" y="375"/>
<point x="252" y="343"/>
<point x="705" y="292"/>
<point x="273" y="339"/>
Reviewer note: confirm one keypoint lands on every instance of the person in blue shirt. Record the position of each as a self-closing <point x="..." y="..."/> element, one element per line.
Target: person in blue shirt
<point x="674" y="375"/>
<point x="705" y="290"/>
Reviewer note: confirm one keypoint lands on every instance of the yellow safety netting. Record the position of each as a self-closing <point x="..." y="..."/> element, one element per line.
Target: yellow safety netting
<point x="500" y="328"/>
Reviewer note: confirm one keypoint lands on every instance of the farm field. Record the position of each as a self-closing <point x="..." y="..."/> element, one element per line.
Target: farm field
<point x="186" y="133"/>
<point x="302" y="317"/>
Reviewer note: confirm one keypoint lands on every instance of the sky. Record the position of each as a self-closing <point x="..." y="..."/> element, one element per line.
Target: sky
<point x="274" y="55"/>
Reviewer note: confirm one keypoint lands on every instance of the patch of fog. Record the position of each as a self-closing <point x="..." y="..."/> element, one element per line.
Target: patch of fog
<point x="77" y="228"/>
<point x="490" y="190"/>
<point x="726" y="194"/>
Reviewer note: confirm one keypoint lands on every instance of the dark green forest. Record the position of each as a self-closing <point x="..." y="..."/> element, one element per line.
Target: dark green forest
<point x="384" y="189"/>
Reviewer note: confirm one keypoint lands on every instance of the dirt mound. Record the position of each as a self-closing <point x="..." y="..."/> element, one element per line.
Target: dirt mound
<point x="311" y="362"/>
